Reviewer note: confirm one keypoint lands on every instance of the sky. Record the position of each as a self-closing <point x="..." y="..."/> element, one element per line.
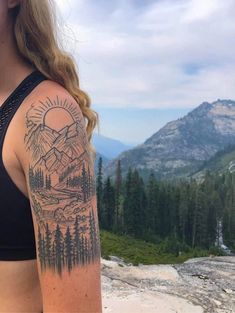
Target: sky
<point x="147" y="62"/>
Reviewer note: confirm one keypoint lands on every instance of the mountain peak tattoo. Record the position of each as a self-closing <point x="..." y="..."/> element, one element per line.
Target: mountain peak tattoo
<point x="62" y="187"/>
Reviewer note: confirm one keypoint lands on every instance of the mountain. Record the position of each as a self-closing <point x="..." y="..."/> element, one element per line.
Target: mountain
<point x="108" y="147"/>
<point x="223" y="161"/>
<point x="58" y="153"/>
<point x="40" y="140"/>
<point x="54" y="161"/>
<point x="183" y="145"/>
<point x="69" y="139"/>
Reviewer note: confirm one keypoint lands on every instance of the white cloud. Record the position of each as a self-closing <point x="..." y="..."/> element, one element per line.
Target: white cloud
<point x="164" y="53"/>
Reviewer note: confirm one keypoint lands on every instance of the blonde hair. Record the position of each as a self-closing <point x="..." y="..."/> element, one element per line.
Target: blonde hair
<point x="35" y="33"/>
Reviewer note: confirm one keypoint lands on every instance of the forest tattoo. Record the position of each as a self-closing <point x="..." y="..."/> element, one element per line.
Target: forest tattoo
<point x="62" y="186"/>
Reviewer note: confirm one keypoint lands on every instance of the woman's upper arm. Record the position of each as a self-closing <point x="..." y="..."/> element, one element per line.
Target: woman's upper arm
<point x="61" y="186"/>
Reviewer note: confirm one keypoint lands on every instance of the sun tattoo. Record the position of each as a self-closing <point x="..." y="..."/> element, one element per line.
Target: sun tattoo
<point x="62" y="186"/>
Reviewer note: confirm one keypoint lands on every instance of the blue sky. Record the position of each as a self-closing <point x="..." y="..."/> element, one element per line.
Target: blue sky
<point x="146" y="62"/>
<point x="135" y="125"/>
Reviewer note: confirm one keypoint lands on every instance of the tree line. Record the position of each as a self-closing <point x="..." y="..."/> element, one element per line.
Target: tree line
<point x="38" y="180"/>
<point x="57" y="250"/>
<point x="185" y="211"/>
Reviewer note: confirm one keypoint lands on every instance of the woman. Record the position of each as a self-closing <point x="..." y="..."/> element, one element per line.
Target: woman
<point x="49" y="234"/>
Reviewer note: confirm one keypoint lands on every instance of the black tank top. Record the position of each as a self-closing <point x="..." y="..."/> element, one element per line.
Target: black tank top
<point x="17" y="241"/>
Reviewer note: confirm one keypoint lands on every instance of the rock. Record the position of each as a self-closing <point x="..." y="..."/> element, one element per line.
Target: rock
<point x="201" y="276"/>
<point x="228" y="291"/>
<point x="196" y="286"/>
<point x="218" y="303"/>
<point x="149" y="302"/>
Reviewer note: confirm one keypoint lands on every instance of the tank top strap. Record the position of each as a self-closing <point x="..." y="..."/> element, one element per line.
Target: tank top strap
<point x="12" y="103"/>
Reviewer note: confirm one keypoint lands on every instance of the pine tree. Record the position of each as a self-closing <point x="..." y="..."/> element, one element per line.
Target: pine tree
<point x="108" y="205"/>
<point x="127" y="214"/>
<point x="82" y="250"/>
<point x="152" y="208"/>
<point x="94" y="237"/>
<point x="49" y="182"/>
<point x="68" y="249"/>
<point x="48" y="245"/>
<point x="214" y="215"/>
<point x="77" y="243"/>
<point x="118" y="223"/>
<point x="31" y="179"/>
<point x="135" y="204"/>
<point x="92" y="241"/>
<point x="58" y="249"/>
<point x="40" y="248"/>
<point x="53" y="256"/>
<point x="99" y="192"/>
<point x="84" y="184"/>
<point x="183" y="214"/>
<point x="85" y="250"/>
<point x="200" y="220"/>
<point x="43" y="253"/>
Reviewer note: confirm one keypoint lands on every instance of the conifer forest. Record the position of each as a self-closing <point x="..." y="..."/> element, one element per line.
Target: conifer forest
<point x="184" y="211"/>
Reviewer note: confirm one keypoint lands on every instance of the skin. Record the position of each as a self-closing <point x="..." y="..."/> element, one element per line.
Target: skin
<point x="63" y="203"/>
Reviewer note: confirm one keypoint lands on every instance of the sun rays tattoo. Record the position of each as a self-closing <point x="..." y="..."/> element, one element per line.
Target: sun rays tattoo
<point x="62" y="186"/>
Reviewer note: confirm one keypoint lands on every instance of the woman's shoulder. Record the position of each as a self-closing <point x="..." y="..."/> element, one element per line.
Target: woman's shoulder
<point x="48" y="112"/>
<point x="46" y="89"/>
<point x="50" y="94"/>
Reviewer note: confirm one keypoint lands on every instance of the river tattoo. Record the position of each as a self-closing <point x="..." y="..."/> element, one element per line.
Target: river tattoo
<point x="62" y="186"/>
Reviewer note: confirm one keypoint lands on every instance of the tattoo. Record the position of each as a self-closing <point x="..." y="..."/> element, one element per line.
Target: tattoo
<point x="62" y="187"/>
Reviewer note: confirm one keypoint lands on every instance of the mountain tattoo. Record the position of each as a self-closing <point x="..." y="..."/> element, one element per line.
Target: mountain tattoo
<point x="62" y="186"/>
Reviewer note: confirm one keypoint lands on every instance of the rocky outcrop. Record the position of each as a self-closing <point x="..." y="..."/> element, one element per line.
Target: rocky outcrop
<point x="201" y="285"/>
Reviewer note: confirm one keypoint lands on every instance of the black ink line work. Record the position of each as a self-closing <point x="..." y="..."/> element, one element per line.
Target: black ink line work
<point x="57" y="250"/>
<point x="62" y="187"/>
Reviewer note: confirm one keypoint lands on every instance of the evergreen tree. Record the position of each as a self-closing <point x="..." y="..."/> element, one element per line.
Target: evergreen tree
<point x="214" y="215"/>
<point x="48" y="245"/>
<point x="94" y="237"/>
<point x="135" y="204"/>
<point x="200" y="220"/>
<point x="108" y="205"/>
<point x="77" y="244"/>
<point x="82" y="251"/>
<point x="118" y="222"/>
<point x="127" y="217"/>
<point x="99" y="192"/>
<point x="183" y="214"/>
<point x="68" y="249"/>
<point x="58" y="249"/>
<point x="84" y="184"/>
<point x="152" y="208"/>
<point x="40" y="247"/>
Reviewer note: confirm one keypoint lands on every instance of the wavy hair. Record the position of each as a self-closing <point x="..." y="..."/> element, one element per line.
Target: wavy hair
<point x="36" y="37"/>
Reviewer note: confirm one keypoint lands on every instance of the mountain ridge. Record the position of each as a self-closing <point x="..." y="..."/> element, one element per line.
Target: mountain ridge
<point x="181" y="146"/>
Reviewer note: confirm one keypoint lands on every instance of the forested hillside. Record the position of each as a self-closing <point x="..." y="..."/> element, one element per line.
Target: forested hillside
<point x="186" y="213"/>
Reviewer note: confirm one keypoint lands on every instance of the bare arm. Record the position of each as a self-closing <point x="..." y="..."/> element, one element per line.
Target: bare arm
<point x="61" y="186"/>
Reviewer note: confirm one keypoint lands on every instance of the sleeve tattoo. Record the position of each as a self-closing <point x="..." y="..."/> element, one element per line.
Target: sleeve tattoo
<point x="62" y="186"/>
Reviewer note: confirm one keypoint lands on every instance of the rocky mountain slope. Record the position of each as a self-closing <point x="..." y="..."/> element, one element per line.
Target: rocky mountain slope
<point x="182" y="146"/>
<point x="201" y="285"/>
<point x="223" y="161"/>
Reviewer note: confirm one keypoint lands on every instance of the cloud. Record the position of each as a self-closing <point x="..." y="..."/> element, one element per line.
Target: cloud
<point x="152" y="54"/>
<point x="201" y="9"/>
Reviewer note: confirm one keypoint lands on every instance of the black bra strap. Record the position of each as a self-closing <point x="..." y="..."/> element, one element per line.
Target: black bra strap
<point x="12" y="103"/>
